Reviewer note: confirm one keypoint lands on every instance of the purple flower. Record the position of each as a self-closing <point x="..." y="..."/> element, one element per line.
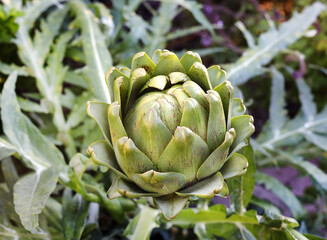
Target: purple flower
<point x="206" y="39"/>
<point x="207" y="8"/>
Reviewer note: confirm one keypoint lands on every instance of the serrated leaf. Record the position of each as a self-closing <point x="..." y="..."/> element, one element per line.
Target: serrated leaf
<point x="34" y="10"/>
<point x="277" y="113"/>
<point x="247" y="35"/>
<point x="319" y="140"/>
<point x="49" y="28"/>
<point x="308" y="105"/>
<point x="305" y="166"/>
<point x="282" y="192"/>
<point x="160" y="26"/>
<point x="96" y="53"/>
<point x="30" y="195"/>
<point x="78" y="113"/>
<point x="195" y="9"/>
<point x="29" y="106"/>
<point x="7" y="69"/>
<point x="270" y="43"/>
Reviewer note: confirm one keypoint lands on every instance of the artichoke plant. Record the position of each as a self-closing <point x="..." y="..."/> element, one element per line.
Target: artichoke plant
<point x="173" y="130"/>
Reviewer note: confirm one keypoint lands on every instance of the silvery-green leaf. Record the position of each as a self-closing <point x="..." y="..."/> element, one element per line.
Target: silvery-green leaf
<point x="9" y="172"/>
<point x="195" y="9"/>
<point x="308" y="105"/>
<point x="30" y="195"/>
<point x="271" y="42"/>
<point x="77" y="114"/>
<point x="277" y="113"/>
<point x="6" y="149"/>
<point x="7" y="69"/>
<point x="96" y="53"/>
<point x="166" y="10"/>
<point x="305" y="166"/>
<point x="282" y="192"/>
<point x="319" y="140"/>
<point x="34" y="148"/>
<point x="142" y="225"/>
<point x="247" y="35"/>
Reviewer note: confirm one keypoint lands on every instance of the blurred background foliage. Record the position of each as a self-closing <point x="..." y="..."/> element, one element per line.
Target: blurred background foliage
<point x="274" y="51"/>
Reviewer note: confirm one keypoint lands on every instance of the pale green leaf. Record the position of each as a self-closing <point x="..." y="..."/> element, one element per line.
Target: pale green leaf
<point x="271" y="42"/>
<point x="282" y="192"/>
<point x="305" y="166"/>
<point x="6" y="149"/>
<point x="96" y="53"/>
<point x="309" y="107"/>
<point x="143" y="224"/>
<point x="7" y="69"/>
<point x="29" y="106"/>
<point x="277" y="112"/>
<point x="34" y="148"/>
<point x="30" y="194"/>
<point x="49" y="28"/>
<point x="9" y="173"/>
<point x="34" y="10"/>
<point x="247" y="35"/>
<point x="160" y="26"/>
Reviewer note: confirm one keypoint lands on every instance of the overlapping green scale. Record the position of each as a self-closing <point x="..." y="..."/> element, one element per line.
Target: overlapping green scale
<point x="173" y="130"/>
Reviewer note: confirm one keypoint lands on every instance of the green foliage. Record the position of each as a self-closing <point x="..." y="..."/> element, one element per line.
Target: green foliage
<point x="54" y="59"/>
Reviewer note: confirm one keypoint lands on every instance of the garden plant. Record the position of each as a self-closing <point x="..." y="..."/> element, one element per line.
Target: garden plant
<point x="160" y="119"/>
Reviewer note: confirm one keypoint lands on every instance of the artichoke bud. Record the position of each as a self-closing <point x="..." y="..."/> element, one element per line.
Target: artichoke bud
<point x="173" y="130"/>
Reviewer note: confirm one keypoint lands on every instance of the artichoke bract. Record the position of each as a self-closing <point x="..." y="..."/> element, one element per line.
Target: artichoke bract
<point x="173" y="130"/>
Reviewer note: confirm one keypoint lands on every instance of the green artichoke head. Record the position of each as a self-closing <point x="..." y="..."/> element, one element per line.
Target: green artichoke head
<point x="173" y="130"/>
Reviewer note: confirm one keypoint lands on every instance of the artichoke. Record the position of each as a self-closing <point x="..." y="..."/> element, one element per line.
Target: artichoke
<point x="173" y="130"/>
